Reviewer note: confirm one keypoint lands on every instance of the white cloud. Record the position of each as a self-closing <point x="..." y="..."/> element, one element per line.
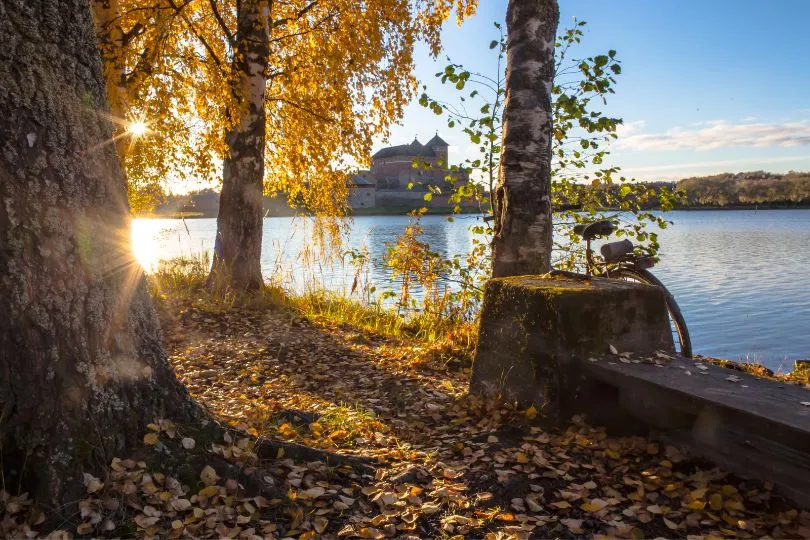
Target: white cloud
<point x="720" y="134"/>
<point x="627" y="129"/>
<point x="675" y="171"/>
<point x="723" y="163"/>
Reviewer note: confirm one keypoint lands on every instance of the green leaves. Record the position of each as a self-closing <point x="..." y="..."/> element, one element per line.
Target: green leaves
<point x="581" y="136"/>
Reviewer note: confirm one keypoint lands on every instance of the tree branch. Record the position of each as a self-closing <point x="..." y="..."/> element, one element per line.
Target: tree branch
<point x="301" y="12"/>
<point x="307" y="31"/>
<point x="303" y="109"/>
<point x="221" y="21"/>
<point x="196" y="34"/>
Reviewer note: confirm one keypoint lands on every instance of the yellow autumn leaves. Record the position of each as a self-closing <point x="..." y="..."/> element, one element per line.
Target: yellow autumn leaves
<point x="338" y="425"/>
<point x="340" y="72"/>
<point x="152" y="437"/>
<point x="449" y="466"/>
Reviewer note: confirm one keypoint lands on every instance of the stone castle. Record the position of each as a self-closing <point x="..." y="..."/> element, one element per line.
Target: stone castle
<point x="395" y="168"/>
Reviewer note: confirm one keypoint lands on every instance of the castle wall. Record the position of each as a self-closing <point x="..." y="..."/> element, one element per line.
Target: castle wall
<point x="396" y="172"/>
<point x="362" y="196"/>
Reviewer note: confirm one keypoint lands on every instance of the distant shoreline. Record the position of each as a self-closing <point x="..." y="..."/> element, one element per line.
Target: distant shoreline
<point x="448" y="212"/>
<point x="748" y="207"/>
<point x="394" y="211"/>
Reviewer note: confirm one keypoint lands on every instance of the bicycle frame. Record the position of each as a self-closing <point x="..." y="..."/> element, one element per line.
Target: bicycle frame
<point x="589" y="262"/>
<point x="625" y="263"/>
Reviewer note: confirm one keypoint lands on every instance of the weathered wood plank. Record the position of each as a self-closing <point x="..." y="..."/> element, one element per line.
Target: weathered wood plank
<point x="753" y="426"/>
<point x="754" y="398"/>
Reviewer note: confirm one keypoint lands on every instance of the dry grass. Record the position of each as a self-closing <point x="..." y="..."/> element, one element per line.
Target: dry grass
<point x="431" y="337"/>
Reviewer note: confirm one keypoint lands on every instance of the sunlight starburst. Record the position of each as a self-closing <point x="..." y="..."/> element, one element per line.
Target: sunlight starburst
<point x="137" y="128"/>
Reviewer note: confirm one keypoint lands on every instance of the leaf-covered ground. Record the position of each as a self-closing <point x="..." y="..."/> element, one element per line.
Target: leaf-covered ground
<point x="449" y="465"/>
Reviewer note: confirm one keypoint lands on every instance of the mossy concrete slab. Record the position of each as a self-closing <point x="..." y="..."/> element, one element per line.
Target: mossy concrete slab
<point x="536" y="329"/>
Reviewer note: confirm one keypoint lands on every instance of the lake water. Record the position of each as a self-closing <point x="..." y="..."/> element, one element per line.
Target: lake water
<point x="739" y="276"/>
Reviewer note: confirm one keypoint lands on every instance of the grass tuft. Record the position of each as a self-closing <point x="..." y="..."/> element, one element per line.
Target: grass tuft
<point x="186" y="278"/>
<point x="432" y="337"/>
<point x="441" y="340"/>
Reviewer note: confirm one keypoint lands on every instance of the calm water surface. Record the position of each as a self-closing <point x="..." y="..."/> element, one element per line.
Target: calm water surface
<point x="740" y="277"/>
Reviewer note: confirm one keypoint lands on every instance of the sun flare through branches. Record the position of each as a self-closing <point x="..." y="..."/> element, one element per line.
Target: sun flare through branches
<point x="137" y="128"/>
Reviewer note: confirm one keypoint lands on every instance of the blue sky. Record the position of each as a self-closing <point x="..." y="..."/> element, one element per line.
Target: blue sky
<point x="707" y="86"/>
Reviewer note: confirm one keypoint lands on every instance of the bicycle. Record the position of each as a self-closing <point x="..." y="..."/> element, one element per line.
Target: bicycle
<point x="619" y="261"/>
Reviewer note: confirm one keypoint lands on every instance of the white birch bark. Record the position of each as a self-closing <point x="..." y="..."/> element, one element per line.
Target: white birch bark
<point x="239" y="223"/>
<point x="522" y="242"/>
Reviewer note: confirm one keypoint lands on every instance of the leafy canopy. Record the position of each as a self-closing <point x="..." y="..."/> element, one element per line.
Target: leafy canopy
<point x="340" y="71"/>
<point x="581" y="143"/>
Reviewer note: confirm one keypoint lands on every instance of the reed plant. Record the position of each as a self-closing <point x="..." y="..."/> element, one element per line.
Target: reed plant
<point x="436" y="326"/>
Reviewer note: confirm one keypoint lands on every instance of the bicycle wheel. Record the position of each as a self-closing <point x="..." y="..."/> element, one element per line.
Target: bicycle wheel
<point x="677" y="322"/>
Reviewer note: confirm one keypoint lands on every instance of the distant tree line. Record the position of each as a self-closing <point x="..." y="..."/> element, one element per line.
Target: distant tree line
<point x="746" y="189"/>
<point x="205" y="203"/>
<point x="756" y="188"/>
<point x="731" y="190"/>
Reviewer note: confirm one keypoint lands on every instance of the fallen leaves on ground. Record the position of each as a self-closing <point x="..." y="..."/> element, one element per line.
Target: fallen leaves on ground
<point x="451" y="465"/>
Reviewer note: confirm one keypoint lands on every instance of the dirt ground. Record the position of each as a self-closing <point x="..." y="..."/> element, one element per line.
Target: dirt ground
<point x="447" y="464"/>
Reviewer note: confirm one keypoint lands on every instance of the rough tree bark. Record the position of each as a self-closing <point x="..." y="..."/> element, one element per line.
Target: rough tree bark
<point x="82" y="368"/>
<point x="522" y="240"/>
<point x="237" y="261"/>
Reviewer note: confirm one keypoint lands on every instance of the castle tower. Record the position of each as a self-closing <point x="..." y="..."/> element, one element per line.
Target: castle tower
<point x="440" y="148"/>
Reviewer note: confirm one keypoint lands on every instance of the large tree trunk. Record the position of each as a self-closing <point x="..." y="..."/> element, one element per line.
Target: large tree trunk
<point x="237" y="259"/>
<point x="522" y="241"/>
<point x="81" y="364"/>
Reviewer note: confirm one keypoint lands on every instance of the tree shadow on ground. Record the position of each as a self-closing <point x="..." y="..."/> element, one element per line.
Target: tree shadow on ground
<point x="258" y="366"/>
<point x="270" y="369"/>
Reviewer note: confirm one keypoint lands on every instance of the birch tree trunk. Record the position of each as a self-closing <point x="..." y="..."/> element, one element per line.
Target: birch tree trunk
<point x="82" y="370"/>
<point x="237" y="261"/>
<point x="522" y="242"/>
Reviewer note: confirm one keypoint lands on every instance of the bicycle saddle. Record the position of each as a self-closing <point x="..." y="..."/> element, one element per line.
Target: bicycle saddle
<point x="589" y="231"/>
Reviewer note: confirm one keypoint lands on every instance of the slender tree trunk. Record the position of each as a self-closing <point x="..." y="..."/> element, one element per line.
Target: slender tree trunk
<point x="82" y="368"/>
<point x="522" y="242"/>
<point x="237" y="260"/>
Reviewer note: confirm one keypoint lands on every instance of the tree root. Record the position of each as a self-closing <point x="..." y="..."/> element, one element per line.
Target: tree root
<point x="186" y="464"/>
<point x="271" y="449"/>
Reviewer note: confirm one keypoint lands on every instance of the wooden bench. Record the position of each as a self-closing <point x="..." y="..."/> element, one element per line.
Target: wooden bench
<point x="552" y="342"/>
<point x="752" y="426"/>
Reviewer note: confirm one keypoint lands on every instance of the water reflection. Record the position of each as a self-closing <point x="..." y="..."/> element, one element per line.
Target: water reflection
<point x="739" y="275"/>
